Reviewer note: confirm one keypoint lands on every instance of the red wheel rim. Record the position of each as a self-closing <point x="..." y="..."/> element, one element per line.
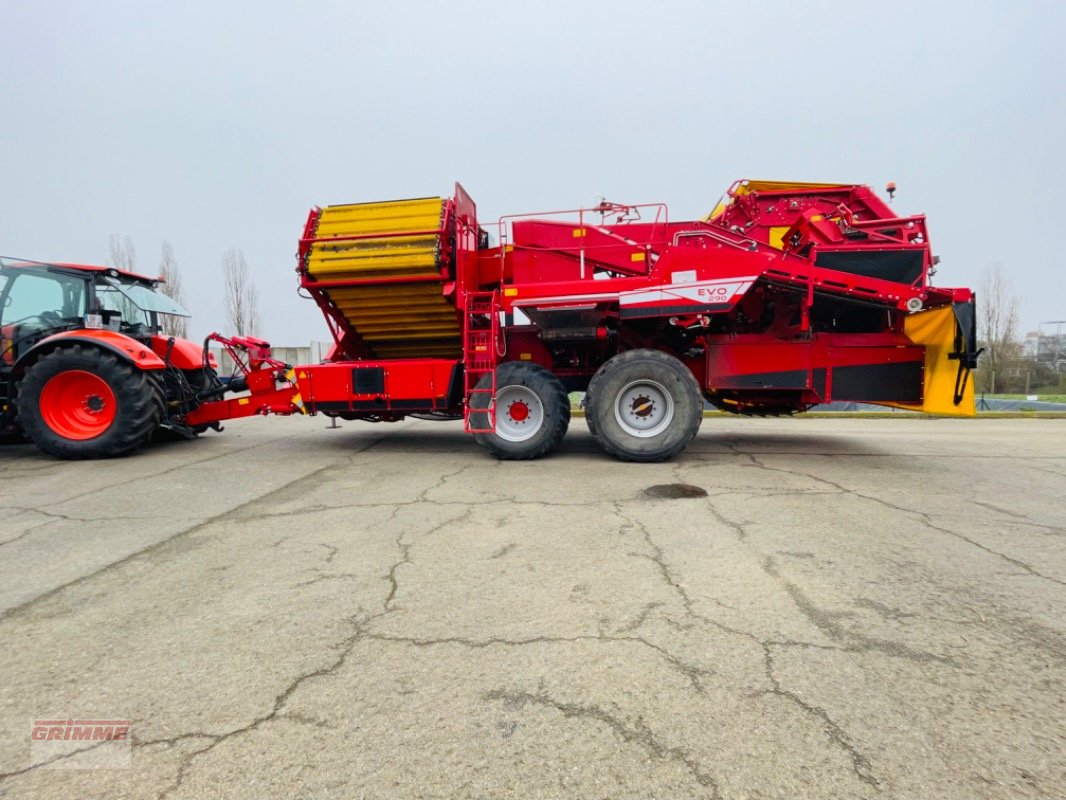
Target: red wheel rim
<point x="519" y="411"/>
<point x="77" y="405"/>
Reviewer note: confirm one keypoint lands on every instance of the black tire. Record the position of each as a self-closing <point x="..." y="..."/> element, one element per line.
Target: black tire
<point x="644" y="405"/>
<point x="590" y="423"/>
<point x="129" y="406"/>
<point x="521" y="383"/>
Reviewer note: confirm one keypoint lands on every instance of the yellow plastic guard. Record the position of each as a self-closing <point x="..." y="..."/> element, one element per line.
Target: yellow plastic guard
<point x="935" y="329"/>
<point x="397" y="320"/>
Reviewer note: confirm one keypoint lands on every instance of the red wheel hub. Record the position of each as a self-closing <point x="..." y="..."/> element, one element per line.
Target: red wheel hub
<point x="519" y="411"/>
<point x="78" y="405"/>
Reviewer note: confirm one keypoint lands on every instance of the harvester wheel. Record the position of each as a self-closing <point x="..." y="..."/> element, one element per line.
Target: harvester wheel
<point x="81" y="402"/>
<point x="644" y="405"/>
<point x="532" y="411"/>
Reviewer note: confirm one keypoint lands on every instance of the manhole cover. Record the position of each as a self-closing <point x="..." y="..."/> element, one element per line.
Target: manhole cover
<point x="674" y="491"/>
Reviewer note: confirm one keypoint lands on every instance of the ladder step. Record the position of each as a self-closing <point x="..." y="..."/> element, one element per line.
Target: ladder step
<point x="479" y="356"/>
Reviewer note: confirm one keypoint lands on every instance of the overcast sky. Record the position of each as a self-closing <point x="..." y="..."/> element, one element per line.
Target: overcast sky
<point x="216" y="125"/>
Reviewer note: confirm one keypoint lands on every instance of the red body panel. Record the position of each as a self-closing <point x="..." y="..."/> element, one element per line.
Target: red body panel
<point x="141" y="356"/>
<point x="271" y="401"/>
<point x="764" y="364"/>
<point x="397" y="386"/>
<point x="183" y="355"/>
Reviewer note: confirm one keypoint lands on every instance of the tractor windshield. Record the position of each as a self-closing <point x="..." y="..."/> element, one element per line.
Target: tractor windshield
<point x="123" y="293"/>
<point x="136" y="303"/>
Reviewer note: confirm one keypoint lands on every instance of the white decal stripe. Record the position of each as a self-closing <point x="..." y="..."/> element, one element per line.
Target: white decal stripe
<point x="664" y="293"/>
<point x="690" y="293"/>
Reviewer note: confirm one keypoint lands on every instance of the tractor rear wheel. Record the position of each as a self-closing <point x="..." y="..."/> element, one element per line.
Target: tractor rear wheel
<point x="644" y="405"/>
<point x="532" y="411"/>
<point x="81" y="402"/>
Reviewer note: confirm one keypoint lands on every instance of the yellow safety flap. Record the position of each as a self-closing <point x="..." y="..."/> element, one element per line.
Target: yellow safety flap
<point x="935" y="330"/>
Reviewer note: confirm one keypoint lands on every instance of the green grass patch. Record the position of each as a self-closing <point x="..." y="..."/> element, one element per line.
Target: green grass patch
<point x="1044" y="398"/>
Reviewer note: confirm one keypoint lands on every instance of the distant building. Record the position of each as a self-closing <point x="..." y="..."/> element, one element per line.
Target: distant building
<point x="1047" y="346"/>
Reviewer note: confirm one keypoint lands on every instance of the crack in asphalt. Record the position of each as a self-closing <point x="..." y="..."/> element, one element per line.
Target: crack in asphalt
<point x="693" y="673"/>
<point x="922" y="516"/>
<point x="48" y="762"/>
<point x="657" y="558"/>
<point x="234" y="512"/>
<point x="859" y="762"/>
<point x="344" y="650"/>
<point x="507" y="548"/>
<point x="28" y="531"/>
<point x="333" y="576"/>
<point x="55" y="517"/>
<point x="404" y="546"/>
<point x="168" y="470"/>
<point x="641" y="618"/>
<point x="852" y="641"/>
<point x="502" y="500"/>
<point x="636" y="732"/>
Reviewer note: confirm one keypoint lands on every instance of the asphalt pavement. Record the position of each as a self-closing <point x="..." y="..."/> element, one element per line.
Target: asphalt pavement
<point x="794" y="608"/>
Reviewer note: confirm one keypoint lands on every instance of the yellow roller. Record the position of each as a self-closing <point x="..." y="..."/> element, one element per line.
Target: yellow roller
<point x="395" y="319"/>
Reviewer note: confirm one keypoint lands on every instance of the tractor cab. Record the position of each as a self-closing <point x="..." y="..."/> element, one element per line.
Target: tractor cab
<point x="39" y="300"/>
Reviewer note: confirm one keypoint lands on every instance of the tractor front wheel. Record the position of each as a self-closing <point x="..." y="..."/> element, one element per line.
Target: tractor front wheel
<point x="81" y="402"/>
<point x="644" y="405"/>
<point x="532" y="411"/>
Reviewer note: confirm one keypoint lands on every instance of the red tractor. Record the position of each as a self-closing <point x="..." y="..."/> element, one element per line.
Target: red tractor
<point x="85" y="370"/>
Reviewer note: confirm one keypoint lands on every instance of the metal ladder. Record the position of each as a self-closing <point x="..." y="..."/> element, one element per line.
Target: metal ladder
<point x="479" y="354"/>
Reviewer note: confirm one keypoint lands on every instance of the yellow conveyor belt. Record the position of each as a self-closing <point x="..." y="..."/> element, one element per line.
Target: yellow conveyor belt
<point x="397" y="320"/>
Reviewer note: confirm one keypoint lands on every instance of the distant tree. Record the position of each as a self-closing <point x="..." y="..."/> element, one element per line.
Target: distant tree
<point x="121" y="252"/>
<point x="997" y="326"/>
<point x="242" y="298"/>
<point x="172" y="288"/>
